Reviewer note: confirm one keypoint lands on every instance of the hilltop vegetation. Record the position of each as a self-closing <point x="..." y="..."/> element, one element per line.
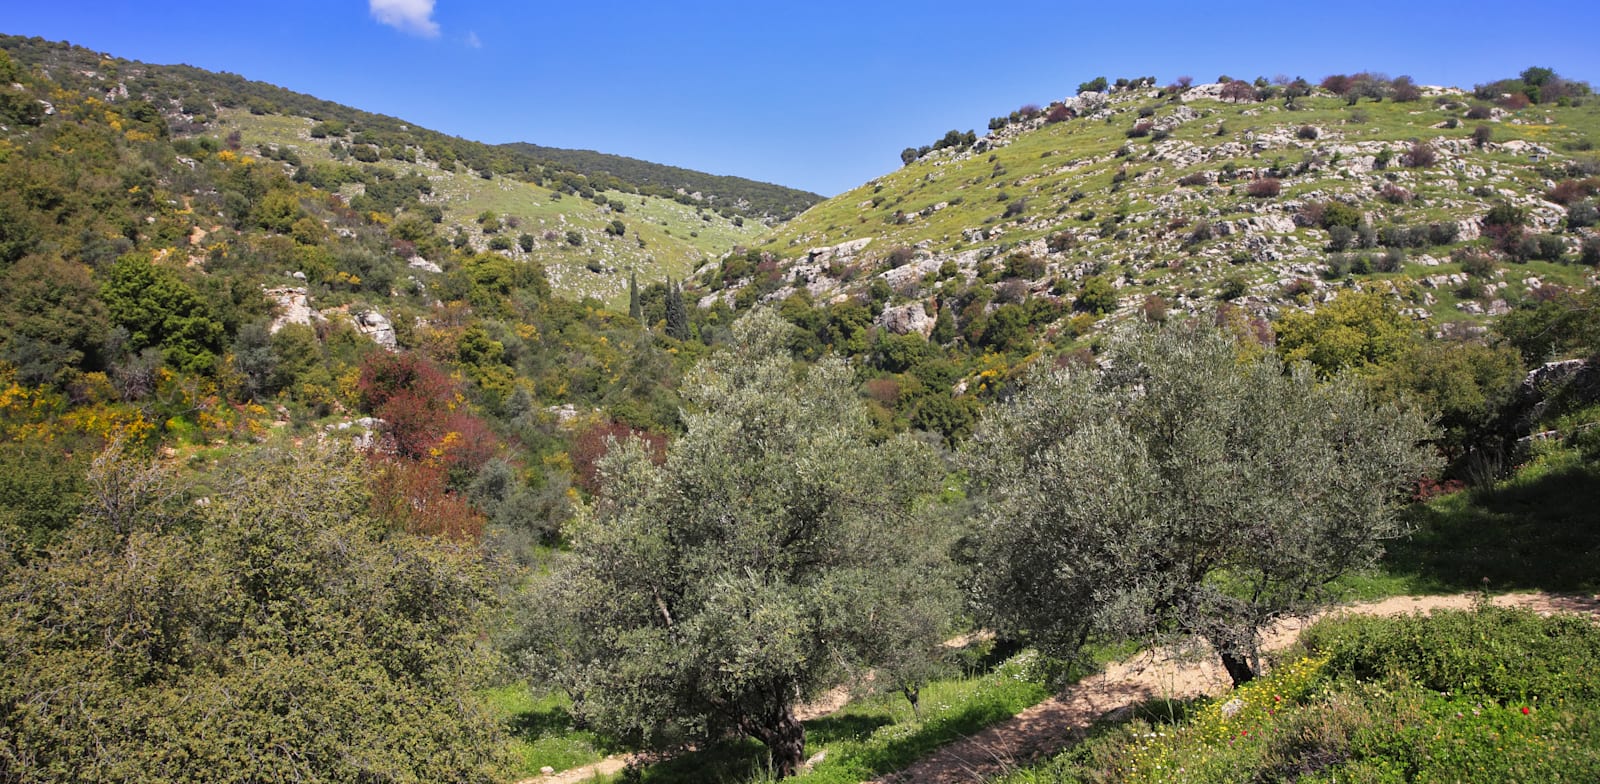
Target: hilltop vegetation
<point x="197" y="95"/>
<point x="723" y="193"/>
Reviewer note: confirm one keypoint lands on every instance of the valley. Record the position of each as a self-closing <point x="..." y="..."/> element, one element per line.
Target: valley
<point x="336" y="448"/>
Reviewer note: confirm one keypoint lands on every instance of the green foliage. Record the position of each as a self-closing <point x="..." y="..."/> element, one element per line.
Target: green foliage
<point x="1354" y="331"/>
<point x="41" y="494"/>
<point x="1185" y="489"/>
<point x="159" y="309"/>
<point x="1096" y="296"/>
<point x="1562" y="326"/>
<point x="161" y="637"/>
<point x="52" y="322"/>
<point x="1466" y="385"/>
<point x="1486" y="695"/>
<point x="1506" y="655"/>
<point x="677" y="314"/>
<point x="711" y="593"/>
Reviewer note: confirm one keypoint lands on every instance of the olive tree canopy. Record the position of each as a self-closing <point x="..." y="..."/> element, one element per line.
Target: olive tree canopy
<point x="773" y="554"/>
<point x="1185" y="489"/>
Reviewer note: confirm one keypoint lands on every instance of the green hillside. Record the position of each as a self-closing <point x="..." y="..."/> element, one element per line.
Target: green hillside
<point x="621" y="218"/>
<point x="574" y="237"/>
<point x="1181" y="197"/>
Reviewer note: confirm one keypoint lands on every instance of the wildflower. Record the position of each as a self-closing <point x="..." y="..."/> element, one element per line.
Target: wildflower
<point x="1525" y="710"/>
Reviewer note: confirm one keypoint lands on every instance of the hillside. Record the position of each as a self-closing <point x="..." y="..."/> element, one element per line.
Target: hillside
<point x="721" y="192"/>
<point x="1183" y="196"/>
<point x="590" y="221"/>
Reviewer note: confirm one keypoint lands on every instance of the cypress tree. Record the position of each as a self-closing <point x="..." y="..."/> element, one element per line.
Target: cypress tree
<point x="633" y="295"/>
<point x="677" y="314"/>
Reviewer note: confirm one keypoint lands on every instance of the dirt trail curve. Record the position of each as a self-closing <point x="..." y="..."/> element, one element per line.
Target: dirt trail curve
<point x="829" y="702"/>
<point x="1051" y="725"/>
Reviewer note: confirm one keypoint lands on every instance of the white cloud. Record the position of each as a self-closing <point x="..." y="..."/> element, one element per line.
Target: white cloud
<point x="407" y="16"/>
<point x="474" y="41"/>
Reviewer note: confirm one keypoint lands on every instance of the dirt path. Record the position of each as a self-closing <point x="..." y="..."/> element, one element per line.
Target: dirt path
<point x="829" y="702"/>
<point x="1051" y="725"/>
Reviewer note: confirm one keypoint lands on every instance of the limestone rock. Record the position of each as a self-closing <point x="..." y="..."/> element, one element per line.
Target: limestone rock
<point x="375" y="326"/>
<point x="294" y="307"/>
<point x="844" y="251"/>
<point x="906" y="319"/>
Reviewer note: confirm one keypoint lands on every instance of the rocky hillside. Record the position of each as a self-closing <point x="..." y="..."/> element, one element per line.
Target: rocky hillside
<point x="1141" y="200"/>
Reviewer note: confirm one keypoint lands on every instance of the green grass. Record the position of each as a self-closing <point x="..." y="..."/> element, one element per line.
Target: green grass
<point x="1534" y="531"/>
<point x="878" y="734"/>
<point x="1484" y="695"/>
<point x="542" y="733"/>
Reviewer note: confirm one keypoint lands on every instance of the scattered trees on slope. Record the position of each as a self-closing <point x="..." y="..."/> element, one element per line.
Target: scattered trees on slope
<point x="1184" y="490"/>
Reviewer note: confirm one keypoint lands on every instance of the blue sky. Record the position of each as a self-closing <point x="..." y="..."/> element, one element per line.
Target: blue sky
<point x="819" y="95"/>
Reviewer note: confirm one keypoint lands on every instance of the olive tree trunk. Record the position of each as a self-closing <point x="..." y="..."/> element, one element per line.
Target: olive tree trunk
<point x="784" y="737"/>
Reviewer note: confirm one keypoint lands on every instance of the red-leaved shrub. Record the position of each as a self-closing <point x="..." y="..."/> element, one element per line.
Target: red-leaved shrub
<point x="411" y="395"/>
<point x="595" y="441"/>
<point x="1264" y="188"/>
<point x="414" y="497"/>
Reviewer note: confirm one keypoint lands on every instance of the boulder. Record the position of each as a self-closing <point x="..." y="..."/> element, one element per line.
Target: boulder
<point x="375" y="326"/>
<point x="906" y="319"/>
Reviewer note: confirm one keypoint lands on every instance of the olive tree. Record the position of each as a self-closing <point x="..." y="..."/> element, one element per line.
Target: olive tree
<point x="776" y="552"/>
<point x="1188" y="488"/>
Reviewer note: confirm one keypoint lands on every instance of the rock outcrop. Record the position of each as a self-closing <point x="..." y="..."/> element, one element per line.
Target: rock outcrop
<point x="294" y="307"/>
<point x="906" y="319"/>
<point x="375" y="326"/>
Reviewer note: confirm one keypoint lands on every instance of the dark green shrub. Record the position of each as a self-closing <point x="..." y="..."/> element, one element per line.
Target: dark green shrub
<point x="1096" y="296"/>
<point x="1582" y="215"/>
<point x="1590" y="252"/>
<point x="1337" y="213"/>
<point x="1340" y="237"/>
<point x="1549" y="247"/>
<point x="1232" y="288"/>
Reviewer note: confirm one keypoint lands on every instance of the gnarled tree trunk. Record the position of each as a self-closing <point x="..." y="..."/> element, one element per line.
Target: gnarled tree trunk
<point x="1238" y="667"/>
<point x="784" y="737"/>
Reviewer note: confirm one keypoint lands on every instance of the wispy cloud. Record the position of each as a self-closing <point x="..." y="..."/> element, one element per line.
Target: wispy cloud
<point x="407" y="16"/>
<point x="474" y="41"/>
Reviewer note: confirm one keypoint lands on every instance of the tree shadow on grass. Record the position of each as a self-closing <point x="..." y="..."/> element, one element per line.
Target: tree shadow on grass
<point x="537" y="722"/>
<point x="1530" y="533"/>
<point x="733" y="761"/>
<point x="896" y="753"/>
<point x="828" y="729"/>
